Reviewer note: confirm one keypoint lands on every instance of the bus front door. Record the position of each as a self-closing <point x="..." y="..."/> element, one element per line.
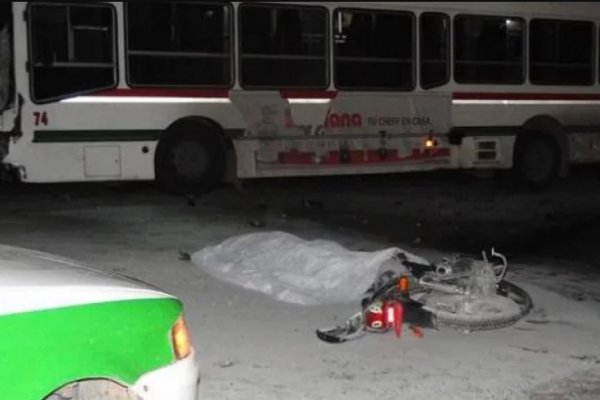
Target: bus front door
<point x="5" y="55"/>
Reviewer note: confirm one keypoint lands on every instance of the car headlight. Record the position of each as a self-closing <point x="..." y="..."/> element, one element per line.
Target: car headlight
<point x="182" y="342"/>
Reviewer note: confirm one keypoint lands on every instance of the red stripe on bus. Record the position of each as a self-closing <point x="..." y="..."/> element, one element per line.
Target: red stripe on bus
<point x="164" y="92"/>
<point x="168" y="92"/>
<point x="523" y="96"/>
<point x="308" y="94"/>
<point x="359" y="157"/>
<point x="329" y="94"/>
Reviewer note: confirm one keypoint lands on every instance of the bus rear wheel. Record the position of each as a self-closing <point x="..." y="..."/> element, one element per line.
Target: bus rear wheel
<point x="190" y="159"/>
<point x="536" y="161"/>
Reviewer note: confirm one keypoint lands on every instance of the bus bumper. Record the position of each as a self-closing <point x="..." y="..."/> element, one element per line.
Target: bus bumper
<point x="178" y="381"/>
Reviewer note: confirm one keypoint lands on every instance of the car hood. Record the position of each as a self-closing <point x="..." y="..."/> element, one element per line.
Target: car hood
<point x="32" y="280"/>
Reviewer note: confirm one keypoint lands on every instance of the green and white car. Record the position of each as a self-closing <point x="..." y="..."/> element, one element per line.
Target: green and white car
<point x="70" y="332"/>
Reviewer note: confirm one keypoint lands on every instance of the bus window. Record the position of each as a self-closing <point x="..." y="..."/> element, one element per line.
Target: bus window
<point x="561" y="52"/>
<point x="179" y="44"/>
<point x="488" y="49"/>
<point x="283" y="46"/>
<point x="434" y="39"/>
<point x="72" y="49"/>
<point x="374" y="50"/>
<point x="5" y="55"/>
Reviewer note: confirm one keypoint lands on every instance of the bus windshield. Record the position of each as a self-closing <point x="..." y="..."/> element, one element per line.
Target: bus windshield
<point x="5" y="55"/>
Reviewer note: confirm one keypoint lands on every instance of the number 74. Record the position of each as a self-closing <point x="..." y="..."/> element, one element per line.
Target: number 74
<point x="40" y="118"/>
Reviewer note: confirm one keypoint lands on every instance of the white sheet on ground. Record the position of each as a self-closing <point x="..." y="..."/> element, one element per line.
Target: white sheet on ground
<point x="294" y="270"/>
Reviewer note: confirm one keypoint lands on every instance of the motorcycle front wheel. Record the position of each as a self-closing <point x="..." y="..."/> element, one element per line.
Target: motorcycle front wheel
<point x="509" y="305"/>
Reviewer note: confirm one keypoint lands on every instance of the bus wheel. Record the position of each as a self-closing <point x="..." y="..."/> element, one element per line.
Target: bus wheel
<point x="190" y="159"/>
<point x="536" y="161"/>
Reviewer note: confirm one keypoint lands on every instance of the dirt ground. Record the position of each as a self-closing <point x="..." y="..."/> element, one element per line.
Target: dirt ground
<point x="250" y="346"/>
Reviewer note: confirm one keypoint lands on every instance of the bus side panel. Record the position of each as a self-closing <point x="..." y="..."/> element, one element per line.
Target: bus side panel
<point x="348" y="134"/>
<point x="104" y="137"/>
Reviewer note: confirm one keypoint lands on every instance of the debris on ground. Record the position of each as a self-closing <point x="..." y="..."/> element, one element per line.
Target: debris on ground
<point x="185" y="256"/>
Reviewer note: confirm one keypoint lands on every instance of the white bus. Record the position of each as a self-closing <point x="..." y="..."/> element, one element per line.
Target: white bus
<point x="181" y="92"/>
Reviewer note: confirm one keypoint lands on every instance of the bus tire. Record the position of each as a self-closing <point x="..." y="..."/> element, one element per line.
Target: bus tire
<point x="190" y="158"/>
<point x="536" y="161"/>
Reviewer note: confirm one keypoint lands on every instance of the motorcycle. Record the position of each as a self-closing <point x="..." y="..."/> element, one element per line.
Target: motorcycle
<point x="458" y="292"/>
